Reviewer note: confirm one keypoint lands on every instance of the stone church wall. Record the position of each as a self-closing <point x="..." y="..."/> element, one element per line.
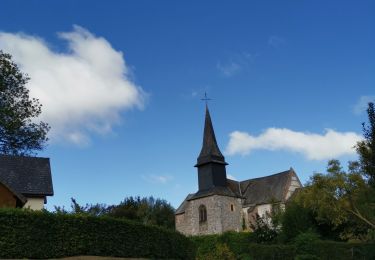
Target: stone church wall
<point x="223" y="214"/>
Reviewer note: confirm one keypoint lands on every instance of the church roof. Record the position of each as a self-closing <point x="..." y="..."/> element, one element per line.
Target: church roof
<point x="181" y="208"/>
<point x="217" y="190"/>
<point x="265" y="189"/>
<point x="210" y="150"/>
<point x="29" y="176"/>
<point x="254" y="191"/>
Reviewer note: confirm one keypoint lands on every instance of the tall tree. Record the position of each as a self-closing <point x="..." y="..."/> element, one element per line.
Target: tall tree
<point x="346" y="199"/>
<point x="366" y="148"/>
<point x="20" y="134"/>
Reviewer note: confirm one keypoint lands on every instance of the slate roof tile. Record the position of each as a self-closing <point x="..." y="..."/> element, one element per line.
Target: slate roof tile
<point x="29" y="176"/>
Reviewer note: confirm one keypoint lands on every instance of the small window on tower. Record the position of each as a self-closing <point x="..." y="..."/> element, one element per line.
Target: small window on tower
<point x="231" y="207"/>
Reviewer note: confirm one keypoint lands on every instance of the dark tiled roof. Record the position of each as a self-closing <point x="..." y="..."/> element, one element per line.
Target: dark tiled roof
<point x="181" y="208"/>
<point x="223" y="191"/>
<point x="235" y="187"/>
<point x="265" y="189"/>
<point x="255" y="191"/>
<point x="26" y="175"/>
<point x="15" y="193"/>
<point x="210" y="150"/>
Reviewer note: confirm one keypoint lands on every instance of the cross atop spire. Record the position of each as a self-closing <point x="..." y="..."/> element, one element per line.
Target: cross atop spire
<point x="206" y="99"/>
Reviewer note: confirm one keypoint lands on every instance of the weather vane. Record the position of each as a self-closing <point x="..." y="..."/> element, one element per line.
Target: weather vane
<point x="206" y="99"/>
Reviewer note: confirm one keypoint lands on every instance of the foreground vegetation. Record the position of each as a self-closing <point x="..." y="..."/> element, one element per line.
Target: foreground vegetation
<point x="28" y="234"/>
<point x="146" y="210"/>
<point x="307" y="245"/>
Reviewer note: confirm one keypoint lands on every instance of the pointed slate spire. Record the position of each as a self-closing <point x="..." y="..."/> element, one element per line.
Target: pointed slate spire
<point x="210" y="150"/>
<point x="210" y="162"/>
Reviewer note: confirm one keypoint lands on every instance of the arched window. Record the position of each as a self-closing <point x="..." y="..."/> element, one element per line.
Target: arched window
<point x="202" y="214"/>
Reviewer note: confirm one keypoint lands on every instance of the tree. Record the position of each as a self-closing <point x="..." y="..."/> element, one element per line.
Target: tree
<point x="148" y="211"/>
<point x="339" y="200"/>
<point x="366" y="148"/>
<point x="20" y="134"/>
<point x="342" y="199"/>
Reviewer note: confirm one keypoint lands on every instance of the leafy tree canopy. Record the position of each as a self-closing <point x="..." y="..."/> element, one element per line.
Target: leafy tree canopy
<point x="345" y="200"/>
<point x="20" y="134"/>
<point x="366" y="148"/>
<point x="148" y="211"/>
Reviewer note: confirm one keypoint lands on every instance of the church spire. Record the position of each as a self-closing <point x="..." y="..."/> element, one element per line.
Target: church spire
<point x="210" y="162"/>
<point x="210" y="151"/>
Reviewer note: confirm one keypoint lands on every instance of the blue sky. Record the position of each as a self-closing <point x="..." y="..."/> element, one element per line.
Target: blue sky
<point x="121" y="84"/>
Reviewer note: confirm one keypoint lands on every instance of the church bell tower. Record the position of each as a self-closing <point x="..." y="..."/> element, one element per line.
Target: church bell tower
<point x="210" y="162"/>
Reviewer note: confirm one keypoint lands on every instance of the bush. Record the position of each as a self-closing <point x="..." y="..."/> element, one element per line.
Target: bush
<point x="276" y="252"/>
<point x="237" y="242"/>
<point x="28" y="234"/>
<point x="221" y="251"/>
<point x="306" y="246"/>
<point x="307" y="257"/>
<point x="264" y="230"/>
<point x="295" y="220"/>
<point x="305" y="243"/>
<point x="344" y="251"/>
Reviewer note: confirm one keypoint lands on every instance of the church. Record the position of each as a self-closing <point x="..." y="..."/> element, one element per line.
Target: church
<point x="222" y="204"/>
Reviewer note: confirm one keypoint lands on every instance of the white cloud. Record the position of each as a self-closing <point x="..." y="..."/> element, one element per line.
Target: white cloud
<point x="329" y="145"/>
<point x="236" y="63"/>
<point x="228" y="69"/>
<point x="276" y="41"/>
<point x="362" y="104"/>
<point x="161" y="179"/>
<point x="231" y="177"/>
<point x="82" y="90"/>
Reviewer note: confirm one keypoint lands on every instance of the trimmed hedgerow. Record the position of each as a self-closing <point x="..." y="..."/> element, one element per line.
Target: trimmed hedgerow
<point x="237" y="243"/>
<point x="27" y="234"/>
<point x="343" y="250"/>
<point x="242" y="245"/>
<point x="276" y="251"/>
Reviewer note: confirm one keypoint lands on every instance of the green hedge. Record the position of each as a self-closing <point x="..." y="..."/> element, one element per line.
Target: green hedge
<point x="26" y="234"/>
<point x="243" y="246"/>
<point x="237" y="242"/>
<point x="341" y="250"/>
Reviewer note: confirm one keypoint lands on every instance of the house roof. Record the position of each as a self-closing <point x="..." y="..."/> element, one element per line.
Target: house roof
<point x="19" y="196"/>
<point x="29" y="176"/>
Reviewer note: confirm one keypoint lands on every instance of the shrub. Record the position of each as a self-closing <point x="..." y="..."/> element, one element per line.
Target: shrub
<point x="344" y="251"/>
<point x="264" y="230"/>
<point x="305" y="243"/>
<point x="237" y="242"/>
<point x="220" y="251"/>
<point x="276" y="252"/>
<point x="295" y="220"/>
<point x="307" y="257"/>
<point x="27" y="234"/>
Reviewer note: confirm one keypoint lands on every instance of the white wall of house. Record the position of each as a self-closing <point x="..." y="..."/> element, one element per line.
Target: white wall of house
<point x="294" y="184"/>
<point x="34" y="203"/>
<point x="264" y="209"/>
